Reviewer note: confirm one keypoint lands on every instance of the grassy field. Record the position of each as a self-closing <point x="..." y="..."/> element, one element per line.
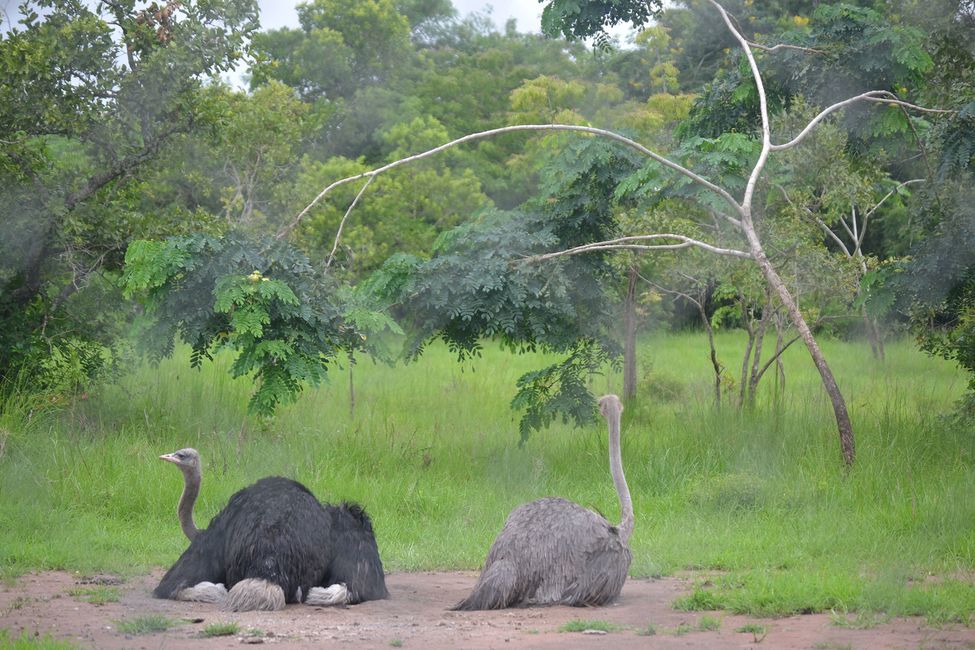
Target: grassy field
<point x="758" y="505"/>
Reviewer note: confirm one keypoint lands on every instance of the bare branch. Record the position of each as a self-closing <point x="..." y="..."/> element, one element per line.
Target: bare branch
<point x="784" y="46"/>
<point x="627" y="243"/>
<point x="881" y="96"/>
<point x="338" y="233"/>
<point x="819" y="222"/>
<point x="887" y="196"/>
<point x="746" y="200"/>
<point x="700" y="180"/>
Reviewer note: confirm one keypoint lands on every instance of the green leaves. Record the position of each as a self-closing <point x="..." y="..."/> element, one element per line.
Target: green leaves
<point x="259" y="299"/>
<point x="559" y="390"/>
<point x="578" y="19"/>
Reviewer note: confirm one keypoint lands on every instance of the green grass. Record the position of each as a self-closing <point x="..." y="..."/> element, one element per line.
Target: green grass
<point x="649" y="630"/>
<point x="32" y="642"/>
<point x="708" y="624"/>
<point x="758" y="632"/>
<point x="757" y="504"/>
<point x="148" y="624"/>
<point x="221" y="629"/>
<point x="579" y="625"/>
<point x="96" y="595"/>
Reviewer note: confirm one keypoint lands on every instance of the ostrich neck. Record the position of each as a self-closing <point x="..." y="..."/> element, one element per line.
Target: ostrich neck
<point x="616" y="467"/>
<point x="191" y="489"/>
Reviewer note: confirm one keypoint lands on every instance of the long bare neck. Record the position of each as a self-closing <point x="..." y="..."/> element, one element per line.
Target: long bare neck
<point x="612" y="416"/>
<point x="191" y="489"/>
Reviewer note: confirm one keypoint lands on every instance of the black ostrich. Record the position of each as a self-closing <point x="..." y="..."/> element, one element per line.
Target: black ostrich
<point x="273" y="543"/>
<point x="555" y="552"/>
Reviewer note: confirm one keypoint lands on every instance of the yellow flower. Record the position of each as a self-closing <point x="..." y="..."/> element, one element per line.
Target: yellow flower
<point x="800" y="21"/>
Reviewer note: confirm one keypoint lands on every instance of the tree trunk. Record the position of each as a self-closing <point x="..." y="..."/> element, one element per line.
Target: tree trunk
<point x="714" y="353"/>
<point x="743" y="376"/>
<point x="755" y="375"/>
<point x="843" y="424"/>
<point x="629" y="335"/>
<point x="873" y="335"/>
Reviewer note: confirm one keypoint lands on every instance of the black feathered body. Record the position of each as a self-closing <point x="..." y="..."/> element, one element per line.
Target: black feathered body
<point x="277" y="531"/>
<point x="552" y="552"/>
<point x="356" y="561"/>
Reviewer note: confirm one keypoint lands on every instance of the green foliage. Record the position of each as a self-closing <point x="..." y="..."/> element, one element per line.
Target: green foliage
<point x="261" y="299"/>
<point x="958" y="143"/>
<point x="939" y="282"/>
<point x="474" y="287"/>
<point x="559" y="390"/>
<point x="574" y="19"/>
<point x="93" y="95"/>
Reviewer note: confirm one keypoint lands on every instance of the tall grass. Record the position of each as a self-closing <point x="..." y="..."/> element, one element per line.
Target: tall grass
<point x="758" y="500"/>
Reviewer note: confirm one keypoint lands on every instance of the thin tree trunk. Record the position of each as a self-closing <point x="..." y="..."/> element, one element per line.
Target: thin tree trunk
<point x="743" y="376"/>
<point x="843" y="423"/>
<point x="351" y="385"/>
<point x="755" y="374"/>
<point x="629" y="343"/>
<point x="714" y="353"/>
<point x="873" y="335"/>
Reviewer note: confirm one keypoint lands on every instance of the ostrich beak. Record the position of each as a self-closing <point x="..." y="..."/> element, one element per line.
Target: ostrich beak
<point x="170" y="458"/>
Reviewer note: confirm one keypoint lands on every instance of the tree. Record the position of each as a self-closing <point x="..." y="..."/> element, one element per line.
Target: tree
<point x="738" y="216"/>
<point x="90" y="99"/>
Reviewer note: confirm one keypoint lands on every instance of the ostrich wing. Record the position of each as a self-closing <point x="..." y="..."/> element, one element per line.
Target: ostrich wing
<point x="355" y="555"/>
<point x="602" y="575"/>
<point x="276" y="530"/>
<point x="202" y="561"/>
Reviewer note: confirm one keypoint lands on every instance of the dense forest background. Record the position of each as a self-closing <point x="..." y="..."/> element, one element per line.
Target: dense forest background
<point x="145" y="201"/>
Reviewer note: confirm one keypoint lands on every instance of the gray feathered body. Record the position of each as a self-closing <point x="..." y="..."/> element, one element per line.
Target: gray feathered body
<point x="552" y="552"/>
<point x="555" y="552"/>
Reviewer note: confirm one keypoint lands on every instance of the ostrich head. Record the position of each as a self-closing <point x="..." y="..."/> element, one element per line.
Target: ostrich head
<point x="607" y="404"/>
<point x="188" y="461"/>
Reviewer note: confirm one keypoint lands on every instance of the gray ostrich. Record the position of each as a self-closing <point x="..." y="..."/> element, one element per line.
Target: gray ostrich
<point x="273" y="543"/>
<point x="555" y="552"/>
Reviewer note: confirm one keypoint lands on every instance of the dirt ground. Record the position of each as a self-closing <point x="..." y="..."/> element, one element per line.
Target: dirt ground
<point x="52" y="603"/>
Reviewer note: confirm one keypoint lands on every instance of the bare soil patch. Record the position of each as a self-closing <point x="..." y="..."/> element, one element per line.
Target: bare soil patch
<point x="416" y="617"/>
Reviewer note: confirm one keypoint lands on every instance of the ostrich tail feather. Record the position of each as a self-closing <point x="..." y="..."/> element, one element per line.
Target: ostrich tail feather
<point x="337" y="594"/>
<point x="495" y="589"/>
<point x="203" y="592"/>
<point x="254" y="594"/>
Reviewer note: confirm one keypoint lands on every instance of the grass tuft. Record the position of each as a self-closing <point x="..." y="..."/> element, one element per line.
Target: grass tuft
<point x="220" y="629"/>
<point x="96" y="595"/>
<point x="580" y="625"/>
<point x="148" y="624"/>
<point x="28" y="641"/>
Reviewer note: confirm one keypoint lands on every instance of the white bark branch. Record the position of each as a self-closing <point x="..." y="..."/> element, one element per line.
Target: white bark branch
<point x="784" y="46"/>
<point x="345" y="217"/>
<point x="881" y="96"/>
<point x="628" y="243"/>
<point x="700" y="180"/>
<point x="888" y="195"/>
<point x="746" y="200"/>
